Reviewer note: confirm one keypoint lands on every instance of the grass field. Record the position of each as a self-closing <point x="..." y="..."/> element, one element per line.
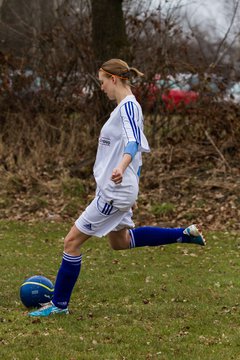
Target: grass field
<point x="174" y="302"/>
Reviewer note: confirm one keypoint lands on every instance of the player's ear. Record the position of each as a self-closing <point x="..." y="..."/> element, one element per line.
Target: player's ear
<point x="114" y="79"/>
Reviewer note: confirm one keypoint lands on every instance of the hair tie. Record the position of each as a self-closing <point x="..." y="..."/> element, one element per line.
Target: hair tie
<point x="126" y="74"/>
<point x="121" y="76"/>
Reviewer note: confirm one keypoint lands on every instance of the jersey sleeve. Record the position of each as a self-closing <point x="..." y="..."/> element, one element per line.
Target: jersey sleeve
<point x="132" y="126"/>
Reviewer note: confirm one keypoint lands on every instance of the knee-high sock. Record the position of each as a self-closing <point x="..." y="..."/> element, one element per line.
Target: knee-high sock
<point x="66" y="279"/>
<point x="155" y="236"/>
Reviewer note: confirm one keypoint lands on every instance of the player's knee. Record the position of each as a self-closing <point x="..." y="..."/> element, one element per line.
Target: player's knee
<point x="119" y="240"/>
<point x="74" y="240"/>
<point x="69" y="243"/>
<point x="72" y="243"/>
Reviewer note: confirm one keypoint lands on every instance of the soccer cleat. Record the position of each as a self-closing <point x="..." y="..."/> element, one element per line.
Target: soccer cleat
<point x="48" y="309"/>
<point x="195" y="236"/>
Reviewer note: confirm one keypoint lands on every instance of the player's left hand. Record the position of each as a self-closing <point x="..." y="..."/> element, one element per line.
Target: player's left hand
<point x="117" y="176"/>
<point x="135" y="206"/>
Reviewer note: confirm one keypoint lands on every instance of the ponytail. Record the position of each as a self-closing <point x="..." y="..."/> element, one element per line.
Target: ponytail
<point x="136" y="71"/>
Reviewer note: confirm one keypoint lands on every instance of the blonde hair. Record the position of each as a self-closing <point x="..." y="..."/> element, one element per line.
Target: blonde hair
<point x="120" y="69"/>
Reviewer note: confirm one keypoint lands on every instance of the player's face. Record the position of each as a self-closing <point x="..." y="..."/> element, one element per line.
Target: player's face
<point x="107" y="85"/>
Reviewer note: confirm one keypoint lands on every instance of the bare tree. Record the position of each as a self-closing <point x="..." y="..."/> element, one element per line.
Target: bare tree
<point x="108" y="30"/>
<point x="232" y="9"/>
<point x="216" y="47"/>
<point x="21" y="23"/>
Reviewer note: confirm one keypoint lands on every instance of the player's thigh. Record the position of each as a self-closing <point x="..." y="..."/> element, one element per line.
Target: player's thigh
<point x="119" y="240"/>
<point x="74" y="240"/>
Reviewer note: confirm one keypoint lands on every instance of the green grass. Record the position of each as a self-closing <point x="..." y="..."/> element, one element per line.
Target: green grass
<point x="163" y="209"/>
<point x="174" y="302"/>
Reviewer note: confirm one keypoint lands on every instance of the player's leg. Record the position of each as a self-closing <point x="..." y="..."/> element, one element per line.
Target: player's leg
<point x="154" y="236"/>
<point x="119" y="240"/>
<point x="74" y="240"/>
<point x="98" y="219"/>
<point x="70" y="267"/>
<point x="67" y="274"/>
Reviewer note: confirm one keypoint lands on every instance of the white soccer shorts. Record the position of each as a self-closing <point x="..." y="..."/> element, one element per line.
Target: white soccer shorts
<point x="100" y="218"/>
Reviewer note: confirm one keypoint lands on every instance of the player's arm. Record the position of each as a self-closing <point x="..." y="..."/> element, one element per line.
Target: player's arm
<point x="129" y="153"/>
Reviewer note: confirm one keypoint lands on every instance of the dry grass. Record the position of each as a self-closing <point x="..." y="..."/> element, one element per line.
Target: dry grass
<point x="193" y="166"/>
<point x="32" y="143"/>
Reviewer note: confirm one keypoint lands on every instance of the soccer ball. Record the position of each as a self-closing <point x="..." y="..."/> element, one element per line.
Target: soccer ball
<point x="36" y="290"/>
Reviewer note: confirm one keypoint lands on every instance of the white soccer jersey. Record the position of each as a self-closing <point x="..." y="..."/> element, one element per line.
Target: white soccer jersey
<point x="125" y="124"/>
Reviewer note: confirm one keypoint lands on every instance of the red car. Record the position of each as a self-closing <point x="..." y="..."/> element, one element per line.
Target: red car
<point x="152" y="96"/>
<point x="176" y="98"/>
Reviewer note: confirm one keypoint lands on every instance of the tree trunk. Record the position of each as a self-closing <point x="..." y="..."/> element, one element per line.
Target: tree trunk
<point x="108" y="30"/>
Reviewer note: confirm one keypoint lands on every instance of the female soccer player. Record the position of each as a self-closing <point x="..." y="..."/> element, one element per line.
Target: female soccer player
<point x="116" y="171"/>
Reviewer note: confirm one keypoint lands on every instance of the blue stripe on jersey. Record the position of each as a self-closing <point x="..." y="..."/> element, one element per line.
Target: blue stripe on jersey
<point x="134" y="124"/>
<point x="127" y="109"/>
<point x="130" y="114"/>
<point x="139" y="171"/>
<point x="139" y="135"/>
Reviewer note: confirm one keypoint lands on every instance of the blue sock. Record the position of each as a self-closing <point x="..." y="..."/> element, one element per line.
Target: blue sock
<point x="155" y="236"/>
<point x="66" y="279"/>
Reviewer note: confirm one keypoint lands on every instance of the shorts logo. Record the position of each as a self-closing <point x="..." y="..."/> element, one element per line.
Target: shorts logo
<point x="107" y="209"/>
<point x="88" y="226"/>
<point x="105" y="141"/>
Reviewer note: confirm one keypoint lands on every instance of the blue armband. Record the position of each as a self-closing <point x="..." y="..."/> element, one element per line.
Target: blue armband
<point x="131" y="148"/>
